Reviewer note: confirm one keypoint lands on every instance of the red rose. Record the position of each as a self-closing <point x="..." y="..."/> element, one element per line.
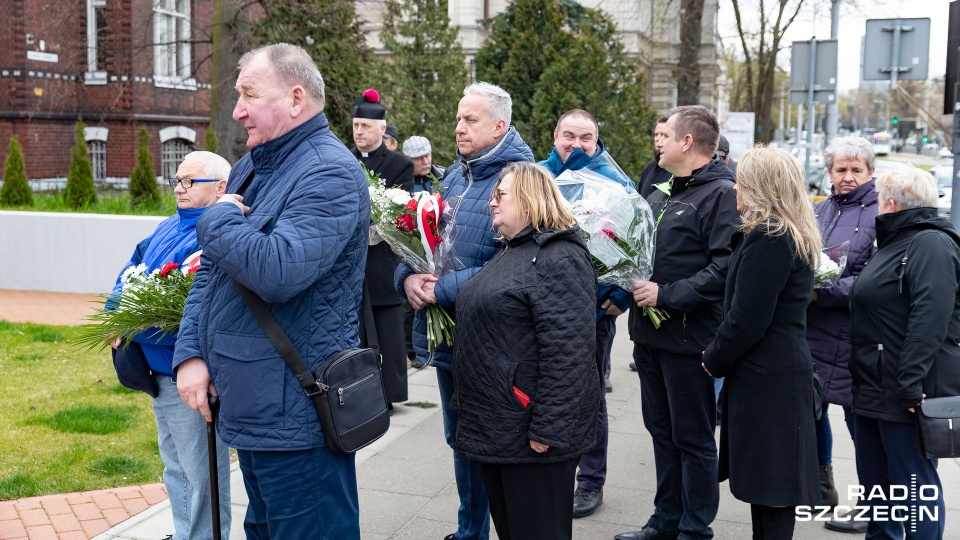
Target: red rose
<point x="608" y="233"/>
<point x="167" y="268"/>
<point x="411" y="205"/>
<point x="405" y="223"/>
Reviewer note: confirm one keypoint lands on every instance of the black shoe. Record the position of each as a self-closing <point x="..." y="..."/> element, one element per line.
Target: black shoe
<point x="607" y="386"/>
<point x="633" y="367"/>
<point x="586" y="502"/>
<point x="646" y="533"/>
<point x="450" y="537"/>
<point x="846" y="524"/>
<point x="417" y="364"/>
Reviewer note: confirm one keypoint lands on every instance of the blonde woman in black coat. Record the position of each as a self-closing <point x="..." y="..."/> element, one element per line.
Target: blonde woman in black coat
<point x="767" y="439"/>
<point x="527" y="385"/>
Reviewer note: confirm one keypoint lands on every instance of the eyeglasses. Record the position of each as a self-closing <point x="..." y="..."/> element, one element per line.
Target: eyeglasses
<point x="498" y="194"/>
<point x="188" y="182"/>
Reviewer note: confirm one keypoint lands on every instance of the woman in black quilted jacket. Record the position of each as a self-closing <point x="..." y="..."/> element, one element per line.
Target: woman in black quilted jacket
<point x="527" y="386"/>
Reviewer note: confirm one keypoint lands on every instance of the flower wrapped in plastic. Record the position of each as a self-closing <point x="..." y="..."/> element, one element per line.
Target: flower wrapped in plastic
<point x="833" y="260"/>
<point x="147" y="301"/>
<point x="618" y="227"/>
<point x="410" y="225"/>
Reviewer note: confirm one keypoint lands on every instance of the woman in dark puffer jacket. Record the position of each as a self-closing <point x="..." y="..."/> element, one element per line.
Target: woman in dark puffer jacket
<point x="846" y="216"/>
<point x="526" y="377"/>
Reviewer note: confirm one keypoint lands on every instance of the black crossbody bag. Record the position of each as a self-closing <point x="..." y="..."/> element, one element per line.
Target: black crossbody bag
<point x="347" y="390"/>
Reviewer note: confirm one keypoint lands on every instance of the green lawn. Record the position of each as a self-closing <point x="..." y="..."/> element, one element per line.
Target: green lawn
<point x="67" y="424"/>
<point x="108" y="202"/>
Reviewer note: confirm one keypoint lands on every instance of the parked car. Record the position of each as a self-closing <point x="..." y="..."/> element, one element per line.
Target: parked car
<point x="944" y="176"/>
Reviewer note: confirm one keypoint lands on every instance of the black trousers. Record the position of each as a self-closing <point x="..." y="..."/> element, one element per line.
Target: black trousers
<point x="770" y="523"/>
<point x="389" y="321"/>
<point x="531" y="500"/>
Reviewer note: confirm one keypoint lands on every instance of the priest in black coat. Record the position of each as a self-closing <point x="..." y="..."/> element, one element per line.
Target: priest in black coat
<point x="369" y="125"/>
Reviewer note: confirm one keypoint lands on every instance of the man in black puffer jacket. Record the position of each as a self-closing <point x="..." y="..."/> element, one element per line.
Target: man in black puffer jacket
<point x="696" y="218"/>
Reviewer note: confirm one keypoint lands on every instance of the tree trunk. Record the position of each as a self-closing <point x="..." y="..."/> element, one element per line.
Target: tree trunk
<point x="230" y="41"/>
<point x="688" y="82"/>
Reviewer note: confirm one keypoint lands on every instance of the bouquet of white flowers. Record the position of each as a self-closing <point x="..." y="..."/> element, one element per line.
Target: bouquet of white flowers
<point x="618" y="226"/>
<point x="833" y="260"/>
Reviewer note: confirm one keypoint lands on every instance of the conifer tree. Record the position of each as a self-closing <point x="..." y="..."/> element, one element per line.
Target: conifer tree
<point x="143" y="180"/>
<point x="80" y="191"/>
<point x="210" y="140"/>
<point x="329" y="31"/>
<point x="423" y="81"/>
<point x="16" y="186"/>
<point x="570" y="59"/>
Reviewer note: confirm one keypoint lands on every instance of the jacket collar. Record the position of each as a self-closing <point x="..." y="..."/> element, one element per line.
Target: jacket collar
<point x="892" y="226"/>
<point x="716" y="169"/>
<point x="863" y="194"/>
<point x="188" y="217"/>
<point x="374" y="159"/>
<point x="510" y="148"/>
<point x="267" y="156"/>
<point x="577" y="159"/>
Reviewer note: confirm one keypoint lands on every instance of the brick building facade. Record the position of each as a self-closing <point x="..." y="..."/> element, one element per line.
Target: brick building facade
<point x="116" y="65"/>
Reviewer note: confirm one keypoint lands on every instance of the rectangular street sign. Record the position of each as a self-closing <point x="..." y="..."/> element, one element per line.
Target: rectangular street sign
<point x="825" y="78"/>
<point x="913" y="49"/>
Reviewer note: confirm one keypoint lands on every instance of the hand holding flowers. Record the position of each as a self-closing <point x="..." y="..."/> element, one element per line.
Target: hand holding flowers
<point x="146" y="300"/>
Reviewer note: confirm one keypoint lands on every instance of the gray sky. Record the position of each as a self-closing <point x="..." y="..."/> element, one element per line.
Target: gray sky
<point x="814" y="21"/>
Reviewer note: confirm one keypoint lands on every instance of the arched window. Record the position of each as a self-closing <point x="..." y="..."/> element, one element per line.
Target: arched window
<point x="172" y="153"/>
<point x="96" y="138"/>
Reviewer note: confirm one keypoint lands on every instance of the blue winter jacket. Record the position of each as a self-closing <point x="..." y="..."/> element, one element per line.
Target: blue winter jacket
<point x="174" y="240"/>
<point x="301" y="247"/>
<point x="467" y="185"/>
<point x="602" y="163"/>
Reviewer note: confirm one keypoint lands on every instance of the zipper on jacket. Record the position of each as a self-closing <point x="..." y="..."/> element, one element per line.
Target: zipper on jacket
<point x="684" y="326"/>
<point x="903" y="268"/>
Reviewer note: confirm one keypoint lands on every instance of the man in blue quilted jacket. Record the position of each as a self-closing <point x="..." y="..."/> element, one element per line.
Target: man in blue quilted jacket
<point x="296" y="237"/>
<point x="577" y="145"/>
<point x="486" y="143"/>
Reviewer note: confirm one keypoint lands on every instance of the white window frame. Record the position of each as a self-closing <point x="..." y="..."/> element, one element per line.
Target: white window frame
<point x="168" y="47"/>
<point x="96" y="139"/>
<point x="95" y="74"/>
<point x="172" y="152"/>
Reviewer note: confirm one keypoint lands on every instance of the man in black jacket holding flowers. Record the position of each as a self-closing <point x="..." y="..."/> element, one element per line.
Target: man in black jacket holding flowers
<point x="696" y="217"/>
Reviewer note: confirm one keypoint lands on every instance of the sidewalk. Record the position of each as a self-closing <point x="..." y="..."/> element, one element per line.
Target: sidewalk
<point x="407" y="489"/>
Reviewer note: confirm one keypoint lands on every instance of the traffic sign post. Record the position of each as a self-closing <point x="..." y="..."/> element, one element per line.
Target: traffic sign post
<point x="813" y="79"/>
<point x="896" y="49"/>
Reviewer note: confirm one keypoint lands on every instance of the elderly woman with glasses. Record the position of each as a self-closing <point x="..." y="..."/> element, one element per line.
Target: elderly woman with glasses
<point x="847" y="215"/>
<point x="904" y="330"/>
<point x="527" y="385"/>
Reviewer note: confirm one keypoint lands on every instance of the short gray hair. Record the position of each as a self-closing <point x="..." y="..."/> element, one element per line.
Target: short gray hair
<point x="909" y="187"/>
<point x="856" y="148"/>
<point x="293" y="66"/>
<point x="500" y="107"/>
<point x="215" y="166"/>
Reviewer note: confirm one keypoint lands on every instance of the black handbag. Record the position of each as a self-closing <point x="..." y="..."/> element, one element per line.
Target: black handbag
<point x="938" y="427"/>
<point x="818" y="391"/>
<point x="347" y="390"/>
<point x="133" y="370"/>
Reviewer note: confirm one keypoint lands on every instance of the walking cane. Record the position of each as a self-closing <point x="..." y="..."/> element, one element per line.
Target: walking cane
<point x="212" y="459"/>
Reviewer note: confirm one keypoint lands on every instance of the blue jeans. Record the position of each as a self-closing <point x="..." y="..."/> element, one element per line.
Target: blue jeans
<point x="592" y="473"/>
<point x="887" y="456"/>
<point x="680" y="411"/>
<point x="473" y="517"/>
<point x="825" y="434"/>
<point x="182" y="437"/>
<point x="300" y="494"/>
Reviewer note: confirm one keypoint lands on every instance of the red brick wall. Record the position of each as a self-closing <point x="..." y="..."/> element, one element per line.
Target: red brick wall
<point x="42" y="103"/>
